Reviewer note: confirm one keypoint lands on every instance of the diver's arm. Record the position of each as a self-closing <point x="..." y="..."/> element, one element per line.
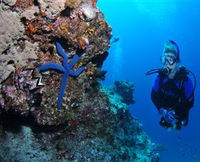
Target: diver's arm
<point x="189" y="94"/>
<point x="187" y="99"/>
<point x="187" y="102"/>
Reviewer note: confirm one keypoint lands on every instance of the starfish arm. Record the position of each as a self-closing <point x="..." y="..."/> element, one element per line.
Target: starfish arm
<point x="77" y="72"/>
<point x="74" y="61"/>
<point x="62" y="54"/>
<point x="51" y="66"/>
<point x="62" y="90"/>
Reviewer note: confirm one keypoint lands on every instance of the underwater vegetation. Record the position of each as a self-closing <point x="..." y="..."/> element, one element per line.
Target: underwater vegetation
<point x="90" y="124"/>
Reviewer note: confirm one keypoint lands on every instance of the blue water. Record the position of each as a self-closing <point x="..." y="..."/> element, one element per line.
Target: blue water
<point x="143" y="26"/>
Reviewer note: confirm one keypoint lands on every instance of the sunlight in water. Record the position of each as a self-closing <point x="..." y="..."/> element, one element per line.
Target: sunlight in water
<point x="117" y="60"/>
<point x="156" y="10"/>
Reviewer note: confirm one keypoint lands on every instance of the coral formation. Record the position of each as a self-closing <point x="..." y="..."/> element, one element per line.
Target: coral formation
<point x="52" y="7"/>
<point x="125" y="89"/>
<point x="34" y="46"/>
<point x="17" y="55"/>
<point x="76" y="3"/>
<point x="91" y="126"/>
<point x="96" y="135"/>
<point x="65" y="69"/>
<point x="11" y="29"/>
<point x="120" y="96"/>
<point x="88" y="10"/>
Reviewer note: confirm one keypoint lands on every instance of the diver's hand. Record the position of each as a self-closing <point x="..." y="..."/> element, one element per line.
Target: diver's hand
<point x="169" y="116"/>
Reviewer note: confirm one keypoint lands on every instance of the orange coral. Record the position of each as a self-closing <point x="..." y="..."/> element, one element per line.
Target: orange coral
<point x="43" y="14"/>
<point x="94" y="3"/>
<point x="81" y="43"/>
<point x="31" y="28"/>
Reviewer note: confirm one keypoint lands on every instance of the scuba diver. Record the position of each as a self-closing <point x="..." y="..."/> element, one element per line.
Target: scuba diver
<point x="173" y="89"/>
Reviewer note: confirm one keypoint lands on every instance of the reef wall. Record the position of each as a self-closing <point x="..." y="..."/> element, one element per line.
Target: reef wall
<point x="51" y="104"/>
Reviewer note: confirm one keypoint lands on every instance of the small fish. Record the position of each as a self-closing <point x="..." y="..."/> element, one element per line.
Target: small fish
<point x="116" y="39"/>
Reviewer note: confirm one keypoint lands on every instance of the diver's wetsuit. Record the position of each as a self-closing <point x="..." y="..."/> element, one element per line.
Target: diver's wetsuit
<point x="176" y="94"/>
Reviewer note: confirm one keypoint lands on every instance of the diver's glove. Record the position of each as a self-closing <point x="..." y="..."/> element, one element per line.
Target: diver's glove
<point x="168" y="115"/>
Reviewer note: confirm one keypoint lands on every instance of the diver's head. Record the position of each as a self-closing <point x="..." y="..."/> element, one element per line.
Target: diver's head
<point x="170" y="58"/>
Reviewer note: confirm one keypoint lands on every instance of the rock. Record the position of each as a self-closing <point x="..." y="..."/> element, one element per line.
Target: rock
<point x="90" y="125"/>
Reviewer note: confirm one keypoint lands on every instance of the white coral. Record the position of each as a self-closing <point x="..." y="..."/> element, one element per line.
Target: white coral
<point x="9" y="2"/>
<point x="29" y="14"/>
<point x="51" y="7"/>
<point x="11" y="29"/>
<point x="88" y="10"/>
<point x="19" y="58"/>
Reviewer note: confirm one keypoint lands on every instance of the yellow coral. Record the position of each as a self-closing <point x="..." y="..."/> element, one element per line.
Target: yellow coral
<point x="90" y="72"/>
<point x="90" y="31"/>
<point x="102" y="22"/>
<point x="79" y="64"/>
<point x="64" y="28"/>
<point x="51" y="27"/>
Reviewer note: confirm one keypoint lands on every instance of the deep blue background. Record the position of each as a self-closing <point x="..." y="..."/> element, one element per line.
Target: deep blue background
<point x="143" y="26"/>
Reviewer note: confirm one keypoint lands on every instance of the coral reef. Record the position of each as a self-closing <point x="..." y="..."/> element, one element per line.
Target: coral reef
<point x="52" y="7"/>
<point x="125" y="89"/>
<point x="18" y="55"/>
<point x="120" y="96"/>
<point x="30" y="42"/>
<point x="11" y="29"/>
<point x="91" y="125"/>
<point x="65" y="69"/>
<point x="97" y="134"/>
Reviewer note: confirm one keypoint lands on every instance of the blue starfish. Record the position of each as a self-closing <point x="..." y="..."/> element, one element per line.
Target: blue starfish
<point x="65" y="69"/>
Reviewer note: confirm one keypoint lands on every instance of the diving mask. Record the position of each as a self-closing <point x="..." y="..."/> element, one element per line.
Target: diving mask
<point x="168" y="59"/>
